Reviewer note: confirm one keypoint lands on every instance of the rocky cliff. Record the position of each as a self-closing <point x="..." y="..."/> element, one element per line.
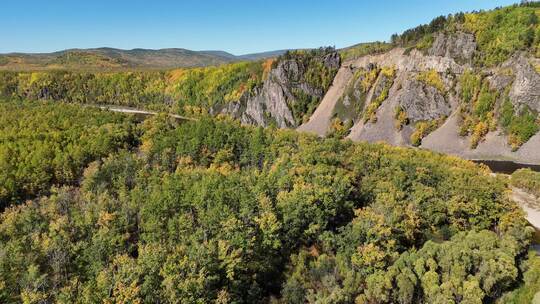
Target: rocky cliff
<point x="425" y="105"/>
<point x="286" y="87"/>
<point x="410" y="97"/>
<point x="466" y="84"/>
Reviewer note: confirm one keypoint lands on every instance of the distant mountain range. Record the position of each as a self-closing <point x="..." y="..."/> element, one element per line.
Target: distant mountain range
<point x="114" y="59"/>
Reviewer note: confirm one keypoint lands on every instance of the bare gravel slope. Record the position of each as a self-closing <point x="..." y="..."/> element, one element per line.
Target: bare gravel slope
<point x="319" y="122"/>
<point x="495" y="146"/>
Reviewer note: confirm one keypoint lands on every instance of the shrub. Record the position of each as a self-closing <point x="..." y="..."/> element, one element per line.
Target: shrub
<point x="368" y="79"/>
<point x="523" y="127"/>
<point x="425" y="43"/>
<point x="506" y="113"/>
<point x="340" y="129"/>
<point x="401" y="118"/>
<point x="479" y="132"/>
<point x="520" y="128"/>
<point x="386" y="76"/>
<point x="432" y="78"/>
<point x="527" y="179"/>
<point x="485" y="102"/>
<point x="477" y="108"/>
<point x="470" y="86"/>
<point x="423" y="128"/>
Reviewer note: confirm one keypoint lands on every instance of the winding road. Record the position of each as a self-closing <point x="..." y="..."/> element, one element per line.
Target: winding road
<point x="141" y="112"/>
<point x="531" y="205"/>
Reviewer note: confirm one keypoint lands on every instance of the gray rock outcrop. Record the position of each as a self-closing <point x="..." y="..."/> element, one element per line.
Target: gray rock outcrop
<point x="459" y="46"/>
<point x="272" y="103"/>
<point x="526" y="87"/>
<point x="422" y="102"/>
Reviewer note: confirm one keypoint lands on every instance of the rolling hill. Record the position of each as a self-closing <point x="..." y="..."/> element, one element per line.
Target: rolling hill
<point x="118" y="59"/>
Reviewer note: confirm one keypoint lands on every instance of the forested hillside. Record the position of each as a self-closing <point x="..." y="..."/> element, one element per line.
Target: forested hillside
<point x="210" y="211"/>
<point x="166" y="90"/>
<point x="46" y="144"/>
<point x="464" y="84"/>
<point x="292" y="84"/>
<point x="111" y="59"/>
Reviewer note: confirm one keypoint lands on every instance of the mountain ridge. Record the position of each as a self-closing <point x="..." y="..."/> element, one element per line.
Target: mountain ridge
<point x="108" y="58"/>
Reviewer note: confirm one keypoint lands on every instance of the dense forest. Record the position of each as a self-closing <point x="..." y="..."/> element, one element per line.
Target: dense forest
<point x="101" y="207"/>
<point x="190" y="91"/>
<point x="45" y="144"/>
<point x="181" y="90"/>
<point x="210" y="211"/>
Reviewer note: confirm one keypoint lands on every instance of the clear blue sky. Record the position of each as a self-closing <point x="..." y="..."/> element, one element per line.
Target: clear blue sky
<point x="236" y="26"/>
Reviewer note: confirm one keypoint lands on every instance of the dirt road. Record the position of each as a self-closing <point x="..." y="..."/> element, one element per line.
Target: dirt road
<point x="141" y="112"/>
<point x="530" y="204"/>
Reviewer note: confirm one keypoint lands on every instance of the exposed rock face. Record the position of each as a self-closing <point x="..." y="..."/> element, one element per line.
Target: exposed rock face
<point x="459" y="46"/>
<point x="500" y="81"/>
<point x="384" y="128"/>
<point x="332" y="60"/>
<point x="526" y="87"/>
<point x="419" y="100"/>
<point x="272" y="103"/>
<point x="422" y="102"/>
<point x="413" y="62"/>
<point x="450" y="56"/>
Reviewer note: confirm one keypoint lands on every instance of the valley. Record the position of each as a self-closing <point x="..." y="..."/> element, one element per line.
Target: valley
<point x="405" y="171"/>
<point x="447" y="89"/>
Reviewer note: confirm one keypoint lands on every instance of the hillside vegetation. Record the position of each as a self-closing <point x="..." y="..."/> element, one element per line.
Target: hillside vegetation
<point x="190" y="91"/>
<point x="166" y="90"/>
<point x="44" y="144"/>
<point x="528" y="180"/>
<point x="499" y="33"/>
<point x="210" y="211"/>
<point x="109" y="59"/>
<point x="497" y="36"/>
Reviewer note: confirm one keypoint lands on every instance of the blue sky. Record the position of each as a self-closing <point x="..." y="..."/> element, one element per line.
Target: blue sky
<point x="236" y="26"/>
